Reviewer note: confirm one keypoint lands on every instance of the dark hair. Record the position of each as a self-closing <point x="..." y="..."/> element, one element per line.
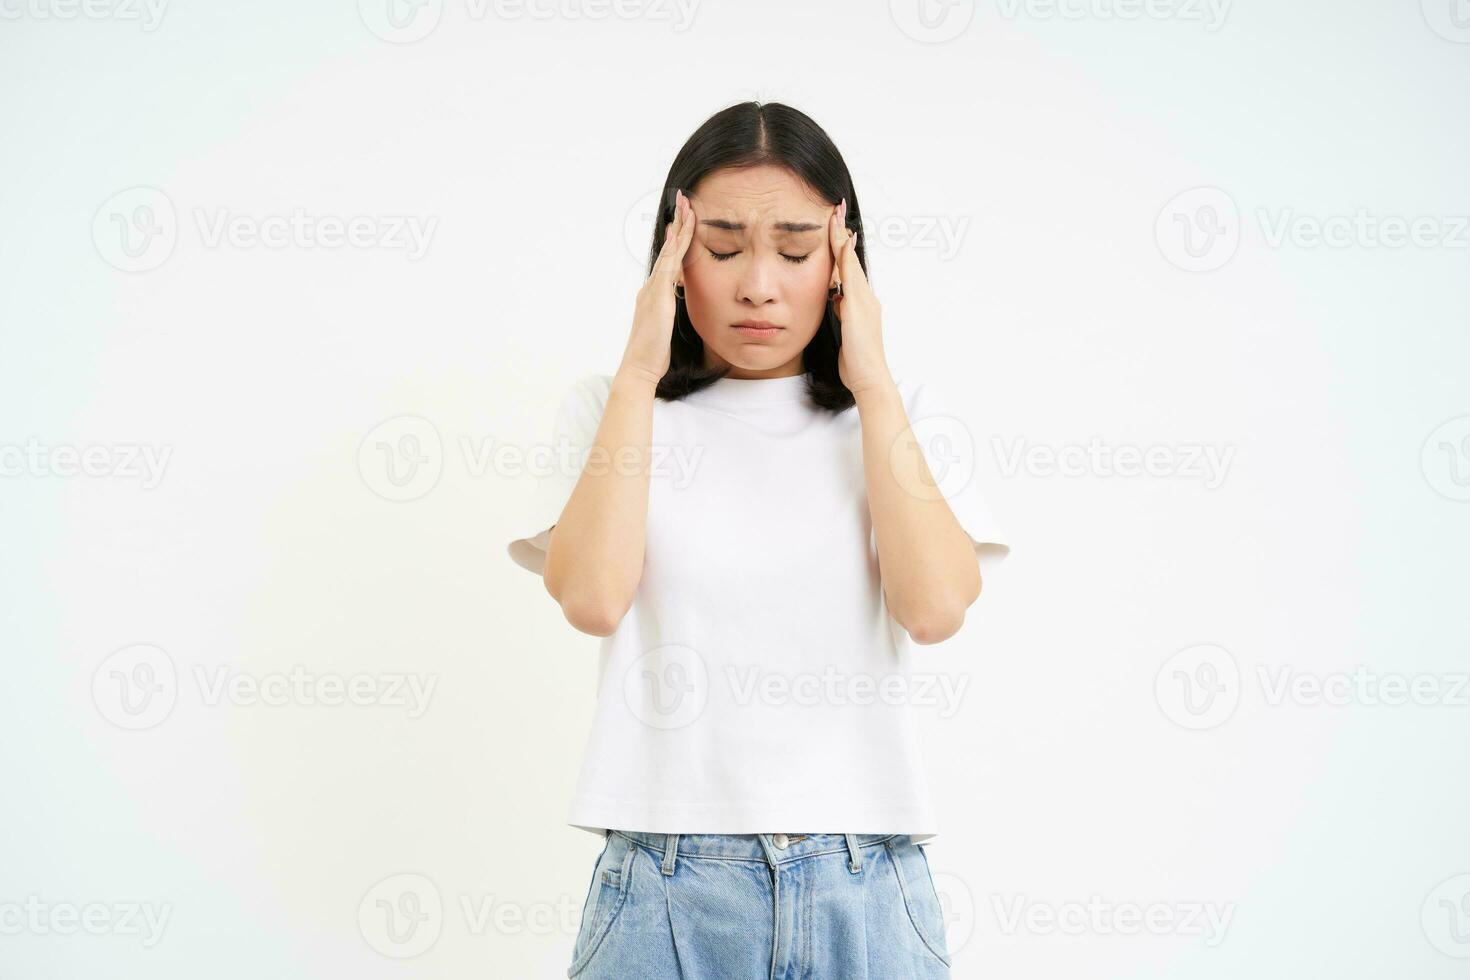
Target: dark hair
<point x="748" y="135"/>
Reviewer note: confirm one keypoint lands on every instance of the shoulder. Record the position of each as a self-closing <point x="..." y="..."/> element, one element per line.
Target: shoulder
<point x="580" y="407"/>
<point x="594" y="385"/>
<point x="935" y="412"/>
<point x="925" y="393"/>
<point x="916" y="394"/>
<point x="588" y="392"/>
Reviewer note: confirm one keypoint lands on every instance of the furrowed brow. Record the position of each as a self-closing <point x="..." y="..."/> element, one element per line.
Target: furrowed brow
<point x="782" y="227"/>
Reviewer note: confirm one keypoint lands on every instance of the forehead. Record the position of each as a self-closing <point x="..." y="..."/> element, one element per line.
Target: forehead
<point x="763" y="196"/>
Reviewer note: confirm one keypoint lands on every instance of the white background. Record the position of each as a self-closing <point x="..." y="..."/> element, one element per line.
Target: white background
<point x="1055" y="140"/>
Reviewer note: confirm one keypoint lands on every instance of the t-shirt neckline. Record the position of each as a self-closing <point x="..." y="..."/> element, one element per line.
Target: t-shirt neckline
<point x="736" y="392"/>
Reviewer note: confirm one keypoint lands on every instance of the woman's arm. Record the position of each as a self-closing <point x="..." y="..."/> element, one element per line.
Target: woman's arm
<point x="594" y="555"/>
<point x="930" y="571"/>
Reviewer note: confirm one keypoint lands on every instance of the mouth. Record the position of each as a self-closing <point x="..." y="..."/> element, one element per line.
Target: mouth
<point x="757" y="329"/>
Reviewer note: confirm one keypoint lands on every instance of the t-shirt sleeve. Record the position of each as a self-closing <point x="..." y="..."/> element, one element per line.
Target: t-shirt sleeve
<point x="577" y="419"/>
<point x="951" y="446"/>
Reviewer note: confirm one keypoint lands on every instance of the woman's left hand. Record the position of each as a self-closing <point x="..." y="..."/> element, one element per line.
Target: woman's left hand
<point x="860" y="361"/>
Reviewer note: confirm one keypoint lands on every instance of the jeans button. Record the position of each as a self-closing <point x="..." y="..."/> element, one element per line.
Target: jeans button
<point x="780" y="840"/>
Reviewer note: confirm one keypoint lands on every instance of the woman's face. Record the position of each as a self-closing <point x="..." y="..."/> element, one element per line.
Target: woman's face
<point x="761" y="252"/>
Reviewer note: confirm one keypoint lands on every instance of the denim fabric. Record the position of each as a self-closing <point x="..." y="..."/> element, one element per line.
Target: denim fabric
<point x="748" y="906"/>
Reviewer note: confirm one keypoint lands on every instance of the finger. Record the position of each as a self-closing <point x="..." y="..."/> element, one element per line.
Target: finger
<point x="682" y="240"/>
<point x="686" y="229"/>
<point x="679" y="255"/>
<point x="834" y="241"/>
<point x="852" y="269"/>
<point x="669" y="254"/>
<point x="671" y="229"/>
<point x="839" y="239"/>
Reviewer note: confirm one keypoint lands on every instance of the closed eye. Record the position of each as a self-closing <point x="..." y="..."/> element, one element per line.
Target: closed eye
<point x="793" y="259"/>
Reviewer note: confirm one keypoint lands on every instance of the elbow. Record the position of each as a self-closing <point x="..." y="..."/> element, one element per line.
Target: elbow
<point x="592" y="606"/>
<point x="593" y="615"/>
<point x="938" y="618"/>
<point x="934" y="626"/>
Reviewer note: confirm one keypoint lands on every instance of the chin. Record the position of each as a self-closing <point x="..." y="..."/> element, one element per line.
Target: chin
<point x="754" y="357"/>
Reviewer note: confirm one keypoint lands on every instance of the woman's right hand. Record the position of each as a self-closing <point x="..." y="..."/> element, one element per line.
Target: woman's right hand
<point x="648" y="351"/>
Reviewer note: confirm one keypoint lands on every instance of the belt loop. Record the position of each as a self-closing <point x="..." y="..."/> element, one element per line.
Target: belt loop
<point x="671" y="846"/>
<point x="855" y="864"/>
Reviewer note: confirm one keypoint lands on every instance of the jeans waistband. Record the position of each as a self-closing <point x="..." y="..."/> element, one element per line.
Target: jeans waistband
<point x="765" y="848"/>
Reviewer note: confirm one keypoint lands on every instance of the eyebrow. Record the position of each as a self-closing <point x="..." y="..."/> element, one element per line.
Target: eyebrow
<point x="782" y="227"/>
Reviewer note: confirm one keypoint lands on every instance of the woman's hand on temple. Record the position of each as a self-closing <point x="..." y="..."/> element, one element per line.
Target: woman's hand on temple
<point x="649" y="345"/>
<point x="861" y="363"/>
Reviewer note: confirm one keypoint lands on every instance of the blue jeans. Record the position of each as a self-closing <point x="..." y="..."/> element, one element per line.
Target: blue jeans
<point x="772" y="906"/>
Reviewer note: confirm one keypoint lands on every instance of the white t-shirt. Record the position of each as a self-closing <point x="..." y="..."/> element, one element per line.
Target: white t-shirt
<point x="758" y="684"/>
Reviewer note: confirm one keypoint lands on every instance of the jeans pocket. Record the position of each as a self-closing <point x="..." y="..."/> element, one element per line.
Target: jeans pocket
<point x="606" y="895"/>
<point x="920" y="897"/>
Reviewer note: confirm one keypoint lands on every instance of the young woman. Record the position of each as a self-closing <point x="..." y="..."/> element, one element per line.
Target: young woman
<point x="758" y="535"/>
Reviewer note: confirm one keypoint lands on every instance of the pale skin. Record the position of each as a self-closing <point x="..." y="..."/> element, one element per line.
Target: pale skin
<point x="782" y="248"/>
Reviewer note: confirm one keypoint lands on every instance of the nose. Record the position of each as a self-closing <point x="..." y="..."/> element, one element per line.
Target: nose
<point x="758" y="278"/>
